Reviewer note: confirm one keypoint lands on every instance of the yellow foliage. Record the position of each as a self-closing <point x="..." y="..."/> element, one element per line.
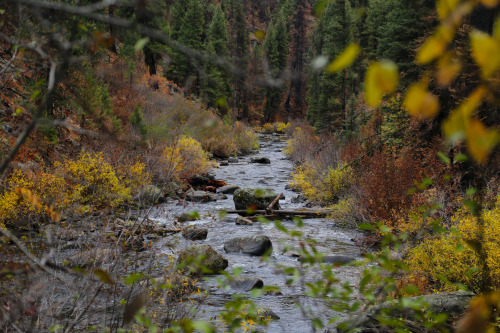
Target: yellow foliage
<point x="32" y="195"/>
<point x="321" y="186"/>
<point x="449" y="255"/>
<point x="185" y="159"/>
<point x="135" y="176"/>
<point x="420" y="102"/>
<point x="281" y="127"/>
<point x="94" y="181"/>
<point x="381" y="78"/>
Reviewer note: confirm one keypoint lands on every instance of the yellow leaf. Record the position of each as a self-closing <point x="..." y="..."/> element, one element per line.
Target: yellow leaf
<point x="455" y="125"/>
<point x="445" y="7"/>
<point x="345" y="59"/>
<point x="435" y="45"/>
<point x="420" y="102"/>
<point x="381" y="77"/>
<point x="486" y="52"/>
<point x="489" y="3"/>
<point x="448" y="70"/>
<point x="480" y="140"/>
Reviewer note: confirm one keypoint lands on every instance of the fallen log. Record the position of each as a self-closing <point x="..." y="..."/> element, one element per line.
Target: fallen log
<point x="269" y="209"/>
<point x="308" y="213"/>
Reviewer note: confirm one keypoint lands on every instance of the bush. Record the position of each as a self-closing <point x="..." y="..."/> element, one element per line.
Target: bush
<point x="46" y="190"/>
<point x="320" y="185"/>
<point x="451" y="257"/>
<point x="93" y="182"/>
<point x="185" y="159"/>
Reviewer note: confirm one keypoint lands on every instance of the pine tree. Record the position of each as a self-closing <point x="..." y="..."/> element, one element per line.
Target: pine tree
<point x="276" y="48"/>
<point x="241" y="55"/>
<point x="191" y="34"/>
<point x="216" y="87"/>
<point x="327" y="93"/>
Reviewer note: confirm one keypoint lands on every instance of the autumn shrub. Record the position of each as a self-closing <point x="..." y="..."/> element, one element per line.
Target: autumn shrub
<point x="16" y="209"/>
<point x="278" y="127"/>
<point x="93" y="181"/>
<point x="303" y="144"/>
<point x="134" y="176"/>
<point x="245" y="138"/>
<point x="450" y="260"/>
<point x="184" y="159"/>
<point x="322" y="185"/>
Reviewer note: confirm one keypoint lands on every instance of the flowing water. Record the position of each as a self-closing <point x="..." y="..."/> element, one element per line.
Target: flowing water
<point x="330" y="238"/>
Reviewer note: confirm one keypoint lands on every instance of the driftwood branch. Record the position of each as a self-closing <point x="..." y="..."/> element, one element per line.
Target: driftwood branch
<point x="306" y="213"/>
<point x="269" y="209"/>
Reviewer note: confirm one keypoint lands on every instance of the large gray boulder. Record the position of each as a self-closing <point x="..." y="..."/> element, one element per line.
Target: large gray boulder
<point x="210" y="259"/>
<point x="251" y="197"/>
<point x="454" y="304"/>
<point x="256" y="245"/>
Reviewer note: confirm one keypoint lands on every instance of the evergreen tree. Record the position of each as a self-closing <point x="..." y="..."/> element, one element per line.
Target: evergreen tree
<point x="276" y="49"/>
<point x="327" y="93"/>
<point x="217" y="83"/>
<point x="191" y="34"/>
<point x="241" y="55"/>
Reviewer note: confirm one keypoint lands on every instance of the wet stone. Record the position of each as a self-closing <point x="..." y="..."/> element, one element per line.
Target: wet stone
<point x="256" y="245"/>
<point x="212" y="260"/>
<point x="228" y="189"/>
<point x="195" y="234"/>
<point x="240" y="220"/>
<point x="245" y="283"/>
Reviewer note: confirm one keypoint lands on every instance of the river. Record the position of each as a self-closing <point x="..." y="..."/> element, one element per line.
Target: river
<point x="330" y="237"/>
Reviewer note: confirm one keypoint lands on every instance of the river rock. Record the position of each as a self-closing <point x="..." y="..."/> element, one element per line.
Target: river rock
<point x="298" y="199"/>
<point x="224" y="163"/>
<point x="267" y="313"/>
<point x="228" y="189"/>
<point x="240" y="220"/>
<point x="185" y="217"/>
<point x="232" y="160"/>
<point x="452" y="303"/>
<point x="247" y="197"/>
<point x="256" y="245"/>
<point x="245" y="283"/>
<point x="260" y="160"/>
<point x="212" y="260"/>
<point x="200" y="196"/>
<point x="220" y="196"/>
<point x="195" y="234"/>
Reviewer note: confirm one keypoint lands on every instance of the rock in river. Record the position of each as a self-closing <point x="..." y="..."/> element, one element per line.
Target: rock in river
<point x="199" y="196"/>
<point x="245" y="283"/>
<point x="228" y="189"/>
<point x="256" y="245"/>
<point x="241" y="220"/>
<point x="260" y="160"/>
<point x="260" y="199"/>
<point x="212" y="260"/>
<point x="195" y="234"/>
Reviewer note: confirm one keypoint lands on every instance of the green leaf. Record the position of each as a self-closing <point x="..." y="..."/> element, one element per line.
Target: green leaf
<point x="461" y="158"/>
<point x="133" y="278"/>
<point x="471" y="191"/>
<point x="203" y="326"/>
<point x="141" y="43"/>
<point x="443" y="157"/>
<point x="366" y="226"/>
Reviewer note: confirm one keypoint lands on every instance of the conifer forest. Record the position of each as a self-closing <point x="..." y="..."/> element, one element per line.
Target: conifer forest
<point x="250" y="166"/>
